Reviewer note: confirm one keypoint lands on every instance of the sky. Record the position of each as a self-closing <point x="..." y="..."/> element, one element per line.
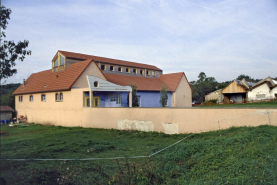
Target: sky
<point x="222" y="38"/>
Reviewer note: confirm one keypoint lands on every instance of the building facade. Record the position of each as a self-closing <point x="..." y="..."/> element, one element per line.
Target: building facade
<point x="77" y="81"/>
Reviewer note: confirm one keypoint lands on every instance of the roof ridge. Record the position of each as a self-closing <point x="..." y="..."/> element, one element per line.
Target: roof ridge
<point x="92" y="56"/>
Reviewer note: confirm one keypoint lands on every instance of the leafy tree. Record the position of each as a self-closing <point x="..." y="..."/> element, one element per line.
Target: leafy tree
<point x="163" y="96"/>
<point x="240" y="77"/>
<point x="6" y="94"/>
<point x="134" y="96"/>
<point x="203" y="86"/>
<point x="9" y="51"/>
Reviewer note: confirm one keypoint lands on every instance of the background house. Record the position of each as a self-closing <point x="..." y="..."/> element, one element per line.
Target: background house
<point x="6" y="113"/>
<point x="264" y="89"/>
<point x="240" y="90"/>
<point x="215" y="95"/>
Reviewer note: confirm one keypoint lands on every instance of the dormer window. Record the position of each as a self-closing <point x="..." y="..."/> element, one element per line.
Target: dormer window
<point x="135" y="71"/>
<point x="111" y="68"/>
<point x="61" y="60"/>
<point x="58" y="63"/>
<point x="103" y="67"/>
<point x="119" y="69"/>
<point x="141" y="72"/>
<point x="127" y="70"/>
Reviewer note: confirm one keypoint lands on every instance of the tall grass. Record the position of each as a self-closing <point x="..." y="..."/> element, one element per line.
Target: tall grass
<point x="242" y="155"/>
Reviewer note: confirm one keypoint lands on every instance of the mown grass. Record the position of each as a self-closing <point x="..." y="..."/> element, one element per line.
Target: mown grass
<point x="240" y="105"/>
<point x="243" y="155"/>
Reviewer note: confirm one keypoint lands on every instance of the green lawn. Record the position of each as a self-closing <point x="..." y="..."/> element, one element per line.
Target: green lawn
<point x="243" y="155"/>
<point x="240" y="105"/>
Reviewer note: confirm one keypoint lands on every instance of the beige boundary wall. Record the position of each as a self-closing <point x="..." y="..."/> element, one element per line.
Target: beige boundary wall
<point x="167" y="120"/>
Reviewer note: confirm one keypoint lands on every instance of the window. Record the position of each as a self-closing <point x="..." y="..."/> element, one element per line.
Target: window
<point x="43" y="97"/>
<point x="135" y="71"/>
<point x="148" y="72"/>
<point x="153" y="73"/>
<point x="260" y="95"/>
<point x="115" y="97"/>
<point x="127" y="70"/>
<point x="61" y="60"/>
<point x="141" y="72"/>
<point x="86" y="99"/>
<point x="111" y="68"/>
<point x="31" y="98"/>
<point x="119" y="69"/>
<point x="20" y="98"/>
<point x="95" y="84"/>
<point x="57" y="97"/>
<point x="56" y="62"/>
<point x="103" y="67"/>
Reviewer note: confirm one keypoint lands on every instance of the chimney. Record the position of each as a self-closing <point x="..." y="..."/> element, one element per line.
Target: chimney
<point x="23" y="82"/>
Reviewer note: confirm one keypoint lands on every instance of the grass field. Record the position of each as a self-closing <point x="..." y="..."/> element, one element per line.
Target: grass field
<point x="240" y="105"/>
<point x="243" y="155"/>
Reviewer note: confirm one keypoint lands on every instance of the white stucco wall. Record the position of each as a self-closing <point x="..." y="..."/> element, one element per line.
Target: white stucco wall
<point x="273" y="93"/>
<point x="260" y="90"/>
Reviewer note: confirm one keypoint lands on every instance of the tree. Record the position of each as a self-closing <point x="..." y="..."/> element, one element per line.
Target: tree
<point x="9" y="51"/>
<point x="163" y="96"/>
<point x="202" y="86"/>
<point x="240" y="77"/>
<point x="134" y="96"/>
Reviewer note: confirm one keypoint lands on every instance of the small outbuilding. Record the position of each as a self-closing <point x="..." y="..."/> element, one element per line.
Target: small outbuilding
<point x="6" y="113"/>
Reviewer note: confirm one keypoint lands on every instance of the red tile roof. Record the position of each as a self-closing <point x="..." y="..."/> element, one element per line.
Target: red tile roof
<point x="47" y="81"/>
<point x="6" y="109"/>
<point x="107" y="60"/>
<point x="171" y="80"/>
<point x="147" y="84"/>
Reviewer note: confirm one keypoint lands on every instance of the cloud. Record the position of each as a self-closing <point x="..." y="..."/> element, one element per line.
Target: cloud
<point x="220" y="38"/>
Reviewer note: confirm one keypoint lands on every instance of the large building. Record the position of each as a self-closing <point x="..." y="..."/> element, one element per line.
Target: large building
<point x="78" y="81"/>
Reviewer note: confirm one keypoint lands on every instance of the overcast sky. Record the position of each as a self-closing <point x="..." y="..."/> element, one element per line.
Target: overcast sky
<point x="223" y="38"/>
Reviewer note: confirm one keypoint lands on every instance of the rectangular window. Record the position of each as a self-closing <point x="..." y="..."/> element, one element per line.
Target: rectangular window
<point x="61" y="60"/>
<point x="103" y="67"/>
<point x="111" y="68"/>
<point x="260" y="95"/>
<point x="119" y="69"/>
<point x="148" y="72"/>
<point x="135" y="71"/>
<point x="20" y="98"/>
<point x="115" y="97"/>
<point x="86" y="99"/>
<point x="56" y="62"/>
<point x="61" y="96"/>
<point x="153" y="73"/>
<point x="31" y="98"/>
<point x="141" y="72"/>
<point x="127" y="70"/>
<point x="43" y="97"/>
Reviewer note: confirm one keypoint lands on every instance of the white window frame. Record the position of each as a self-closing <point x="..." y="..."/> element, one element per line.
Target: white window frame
<point x="115" y="97"/>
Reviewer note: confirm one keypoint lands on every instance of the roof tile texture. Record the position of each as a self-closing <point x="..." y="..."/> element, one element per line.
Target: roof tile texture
<point x="6" y="109"/>
<point x="147" y="84"/>
<point x="108" y="60"/>
<point x="47" y="81"/>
